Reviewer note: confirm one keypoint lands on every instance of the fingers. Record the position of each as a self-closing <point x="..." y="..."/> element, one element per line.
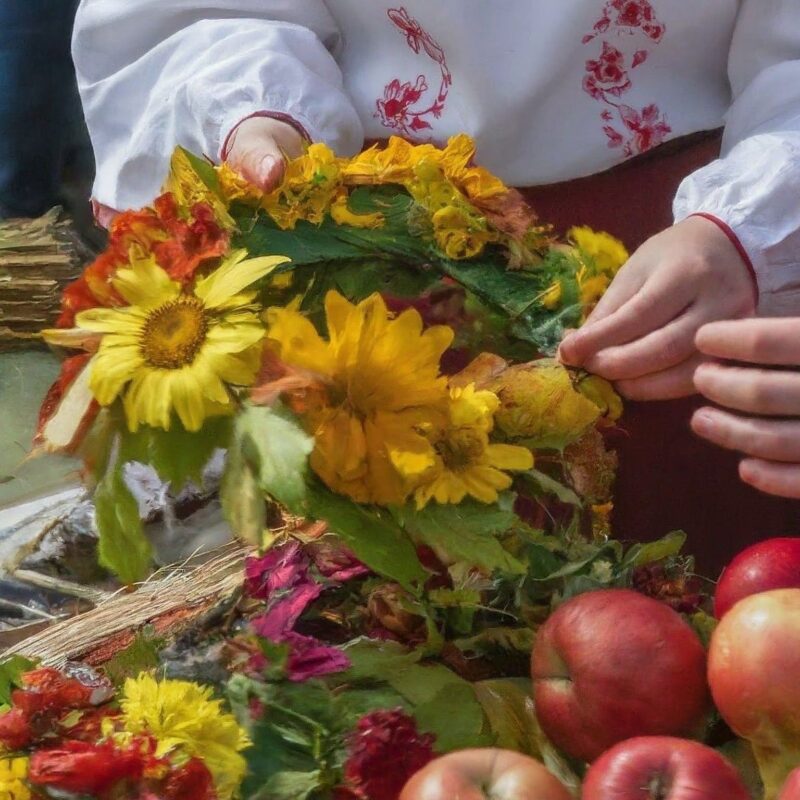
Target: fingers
<point x="759" y="341"/>
<point x="757" y="391"/>
<point x="623" y="287"/>
<point x="650" y="308"/>
<point x="773" y="440"/>
<point x="772" y="478"/>
<point x="258" y="148"/>
<point x="658" y="351"/>
<point x="669" y="384"/>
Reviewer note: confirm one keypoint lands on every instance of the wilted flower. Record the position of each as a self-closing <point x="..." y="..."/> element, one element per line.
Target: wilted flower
<point x="392" y="608"/>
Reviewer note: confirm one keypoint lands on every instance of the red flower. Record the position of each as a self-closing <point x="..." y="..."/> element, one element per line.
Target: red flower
<point x="85" y="768"/>
<point x="192" y="781"/>
<point x="16" y="732"/>
<point x="386" y="749"/>
<point x="51" y="691"/>
<point x="607" y="74"/>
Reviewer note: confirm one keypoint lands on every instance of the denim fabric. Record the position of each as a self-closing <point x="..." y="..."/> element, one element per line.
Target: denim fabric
<point x="41" y="122"/>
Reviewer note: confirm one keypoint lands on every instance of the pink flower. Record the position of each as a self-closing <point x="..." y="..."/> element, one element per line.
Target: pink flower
<point x="280" y="568"/>
<point x="386" y="749"/>
<point x="283" y="615"/>
<point x="311" y="658"/>
<point x="334" y="561"/>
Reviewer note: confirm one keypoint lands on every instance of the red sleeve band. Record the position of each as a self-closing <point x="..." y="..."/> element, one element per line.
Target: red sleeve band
<point x="735" y="241"/>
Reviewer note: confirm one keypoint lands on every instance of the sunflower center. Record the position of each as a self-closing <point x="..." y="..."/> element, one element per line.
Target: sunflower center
<point x="460" y="449"/>
<point x="174" y="332"/>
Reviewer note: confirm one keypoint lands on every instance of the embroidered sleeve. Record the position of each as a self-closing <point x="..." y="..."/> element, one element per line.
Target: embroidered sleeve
<point x="157" y="73"/>
<point x="754" y="189"/>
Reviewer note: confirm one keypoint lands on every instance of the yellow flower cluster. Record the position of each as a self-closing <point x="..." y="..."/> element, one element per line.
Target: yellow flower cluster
<point x="444" y="182"/>
<point x="13" y="774"/>
<point x="386" y="425"/>
<point x="600" y="257"/>
<point x="186" y="721"/>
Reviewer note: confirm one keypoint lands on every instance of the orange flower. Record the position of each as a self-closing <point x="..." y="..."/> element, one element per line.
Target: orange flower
<point x="179" y="245"/>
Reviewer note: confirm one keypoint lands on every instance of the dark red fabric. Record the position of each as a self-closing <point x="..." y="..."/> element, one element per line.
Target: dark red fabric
<point x="668" y="479"/>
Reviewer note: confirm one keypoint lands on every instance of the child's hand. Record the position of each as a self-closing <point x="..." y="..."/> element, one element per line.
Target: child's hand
<point x="641" y="334"/>
<point x="258" y="147"/>
<point x="772" y="444"/>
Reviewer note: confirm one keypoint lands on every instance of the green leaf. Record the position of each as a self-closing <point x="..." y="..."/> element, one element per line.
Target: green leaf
<point x="579" y="565"/>
<point x="242" y="499"/>
<point x="205" y="171"/>
<point x="443" y="703"/>
<point x="464" y="532"/>
<point x="650" y="552"/>
<point x="177" y="455"/>
<point x="272" y="442"/>
<point x="123" y="547"/>
<point x="371" y="534"/>
<point x="705" y="625"/>
<point x="508" y="705"/>
<point x="290" y="786"/>
<point x="11" y="671"/>
<point x="551" y="486"/>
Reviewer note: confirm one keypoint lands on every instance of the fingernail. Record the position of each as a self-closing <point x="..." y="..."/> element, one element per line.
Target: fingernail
<point x="266" y="168"/>
<point x="703" y="422"/>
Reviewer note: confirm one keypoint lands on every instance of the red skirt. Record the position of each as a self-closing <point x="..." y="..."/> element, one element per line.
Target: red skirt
<point x="668" y="478"/>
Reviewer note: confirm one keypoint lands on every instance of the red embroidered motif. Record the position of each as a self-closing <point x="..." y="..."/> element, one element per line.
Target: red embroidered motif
<point x="607" y="77"/>
<point x="398" y="109"/>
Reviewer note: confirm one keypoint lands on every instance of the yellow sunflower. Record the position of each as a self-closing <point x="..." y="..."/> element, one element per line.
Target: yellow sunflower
<point x="466" y="463"/>
<point x="176" y="349"/>
<point x="383" y="392"/>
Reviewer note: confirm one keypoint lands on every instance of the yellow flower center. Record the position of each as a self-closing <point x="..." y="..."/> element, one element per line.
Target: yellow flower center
<point x="174" y="332"/>
<point x="460" y="449"/>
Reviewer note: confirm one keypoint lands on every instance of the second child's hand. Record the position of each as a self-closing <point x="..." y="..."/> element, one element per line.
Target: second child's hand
<point x="641" y="334"/>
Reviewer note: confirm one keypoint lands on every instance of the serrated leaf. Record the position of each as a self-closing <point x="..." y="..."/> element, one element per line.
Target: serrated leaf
<point x="290" y="786"/>
<point x="464" y="532"/>
<point x="123" y="548"/>
<point x="372" y="535"/>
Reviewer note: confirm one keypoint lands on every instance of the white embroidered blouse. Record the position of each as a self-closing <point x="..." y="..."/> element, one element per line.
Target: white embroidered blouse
<point x="550" y="89"/>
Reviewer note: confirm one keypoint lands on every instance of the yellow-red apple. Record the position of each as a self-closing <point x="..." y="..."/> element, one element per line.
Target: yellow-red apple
<point x="484" y="774"/>
<point x="613" y="664"/>
<point x="754" y="674"/>
<point x="791" y="789"/>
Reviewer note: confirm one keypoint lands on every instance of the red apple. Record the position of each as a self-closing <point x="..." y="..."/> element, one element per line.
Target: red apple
<point x="771" y="564"/>
<point x="484" y="775"/>
<point x="754" y="674"/>
<point x="613" y="664"/>
<point x="791" y="789"/>
<point x="663" y="768"/>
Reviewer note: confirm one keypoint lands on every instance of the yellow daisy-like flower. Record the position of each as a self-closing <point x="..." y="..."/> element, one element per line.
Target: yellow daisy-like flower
<point x="606" y="252"/>
<point x="13" y="774"/>
<point x="393" y="163"/>
<point x="235" y="188"/>
<point x="383" y="392"/>
<point x="476" y="182"/>
<point x="184" y="717"/>
<point x="466" y="463"/>
<point x="173" y="349"/>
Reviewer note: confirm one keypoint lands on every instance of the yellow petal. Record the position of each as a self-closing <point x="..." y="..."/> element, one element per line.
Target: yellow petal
<point x="145" y="284"/>
<point x="236" y="273"/>
<point x="509" y="456"/>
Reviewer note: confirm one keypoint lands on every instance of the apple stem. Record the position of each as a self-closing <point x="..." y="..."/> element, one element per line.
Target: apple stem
<point x="775" y="763"/>
<point x="657" y="788"/>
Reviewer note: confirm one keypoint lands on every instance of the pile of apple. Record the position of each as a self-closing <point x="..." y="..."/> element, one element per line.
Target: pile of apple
<point x="623" y="683"/>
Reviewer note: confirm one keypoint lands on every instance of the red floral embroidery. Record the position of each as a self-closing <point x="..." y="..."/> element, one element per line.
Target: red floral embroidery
<point x="607" y="77"/>
<point x="398" y="109"/>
